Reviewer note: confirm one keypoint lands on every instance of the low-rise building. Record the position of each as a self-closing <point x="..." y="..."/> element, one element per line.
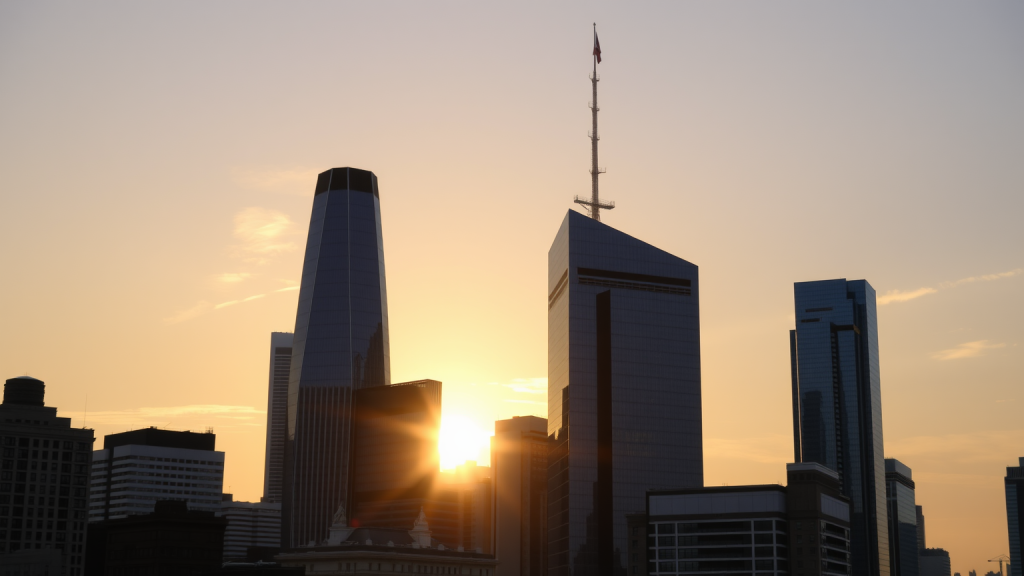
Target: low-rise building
<point x="250" y="525"/>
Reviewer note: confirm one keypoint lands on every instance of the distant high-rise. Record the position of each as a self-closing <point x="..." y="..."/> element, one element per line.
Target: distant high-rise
<point x="136" y="469"/>
<point x="519" y="469"/>
<point x="837" y="405"/>
<point x="899" y="492"/>
<point x="624" y="396"/>
<point x="1014" y="482"/>
<point x="44" y="483"/>
<point x="340" y="345"/>
<point x="277" y="414"/>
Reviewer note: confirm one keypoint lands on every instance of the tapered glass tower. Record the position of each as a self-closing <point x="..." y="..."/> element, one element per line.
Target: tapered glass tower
<point x="624" y="396"/>
<point x="837" y="405"/>
<point x="340" y="345"/>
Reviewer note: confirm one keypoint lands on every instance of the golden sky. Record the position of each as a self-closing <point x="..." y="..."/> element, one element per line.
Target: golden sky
<point x="157" y="163"/>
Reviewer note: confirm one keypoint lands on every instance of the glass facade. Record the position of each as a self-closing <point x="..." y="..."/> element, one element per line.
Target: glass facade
<point x="277" y="415"/>
<point x="837" y="405"/>
<point x="1014" y="513"/>
<point x="340" y="345"/>
<point x="624" y="397"/>
<point x="899" y="492"/>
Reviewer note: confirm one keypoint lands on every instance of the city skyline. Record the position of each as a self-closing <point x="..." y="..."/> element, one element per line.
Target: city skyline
<point x="732" y="138"/>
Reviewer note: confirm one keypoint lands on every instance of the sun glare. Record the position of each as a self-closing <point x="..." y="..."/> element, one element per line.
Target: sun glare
<point x="461" y="439"/>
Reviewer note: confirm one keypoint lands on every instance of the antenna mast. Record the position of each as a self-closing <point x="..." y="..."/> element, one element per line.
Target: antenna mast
<point x="594" y="205"/>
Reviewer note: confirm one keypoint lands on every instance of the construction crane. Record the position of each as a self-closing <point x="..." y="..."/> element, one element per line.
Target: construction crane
<point x="1001" y="558"/>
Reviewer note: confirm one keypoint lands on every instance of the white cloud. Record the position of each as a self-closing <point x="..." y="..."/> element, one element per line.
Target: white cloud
<point x="233" y="277"/>
<point x="898" y="296"/>
<point x="160" y="415"/>
<point x="966" y="350"/>
<point x="183" y="315"/>
<point x="264" y="232"/>
<point x="901" y="296"/>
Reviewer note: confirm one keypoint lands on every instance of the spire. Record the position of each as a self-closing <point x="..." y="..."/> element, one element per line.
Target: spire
<point x="594" y="205"/>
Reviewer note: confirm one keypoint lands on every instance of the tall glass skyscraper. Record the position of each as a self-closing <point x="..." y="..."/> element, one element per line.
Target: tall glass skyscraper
<point x="1014" y="482"/>
<point x="624" y="397"/>
<point x="340" y="345"/>
<point x="837" y="405"/>
<point x="277" y="414"/>
<point x="899" y="492"/>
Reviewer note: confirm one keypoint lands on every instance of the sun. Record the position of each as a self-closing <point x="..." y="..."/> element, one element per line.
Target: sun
<point x="461" y="439"/>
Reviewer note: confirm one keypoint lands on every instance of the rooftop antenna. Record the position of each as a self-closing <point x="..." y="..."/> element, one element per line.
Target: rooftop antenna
<point x="594" y="205"/>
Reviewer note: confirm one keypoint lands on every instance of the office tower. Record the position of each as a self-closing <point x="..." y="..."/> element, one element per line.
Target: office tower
<point x="624" y="404"/>
<point x="899" y="493"/>
<point x="395" y="458"/>
<point x="250" y="524"/>
<point x="934" y="562"/>
<point x="837" y="405"/>
<point x="519" y="469"/>
<point x="43" y="480"/>
<point x="136" y="469"/>
<point x="473" y="489"/>
<point x="340" y="345"/>
<point x="1014" y="483"/>
<point x="169" y="540"/>
<point x="920" y="528"/>
<point x="277" y="414"/>
<point x="819" y="521"/>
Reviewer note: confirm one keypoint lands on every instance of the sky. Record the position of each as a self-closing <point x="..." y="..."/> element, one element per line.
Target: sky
<point x="157" y="164"/>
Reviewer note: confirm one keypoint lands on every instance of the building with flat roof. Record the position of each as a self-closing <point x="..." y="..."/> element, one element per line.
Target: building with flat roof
<point x="899" y="493"/>
<point x="250" y="524"/>
<point x="624" y="389"/>
<point x="1014" y="484"/>
<point x="44" y="477"/>
<point x="519" y="469"/>
<point x="277" y="415"/>
<point x="935" y="562"/>
<point x="136" y="469"/>
<point x="837" y="405"/>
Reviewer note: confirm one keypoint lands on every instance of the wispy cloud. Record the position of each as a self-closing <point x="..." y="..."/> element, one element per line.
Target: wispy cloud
<point x="297" y="180"/>
<point x="159" y="415"/>
<point x="287" y="289"/>
<point x="233" y="277"/>
<point x="900" y="296"/>
<point x="183" y="315"/>
<point x="903" y="296"/>
<point x="528" y="385"/>
<point x="967" y="350"/>
<point x="264" y="233"/>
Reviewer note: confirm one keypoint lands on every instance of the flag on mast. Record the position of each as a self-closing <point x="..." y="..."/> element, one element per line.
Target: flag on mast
<point x="597" y="48"/>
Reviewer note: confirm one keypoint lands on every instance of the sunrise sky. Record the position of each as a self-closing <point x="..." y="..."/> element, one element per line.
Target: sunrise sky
<point x="157" y="163"/>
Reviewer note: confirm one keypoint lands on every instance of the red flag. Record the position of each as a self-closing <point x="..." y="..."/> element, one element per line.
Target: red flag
<point x="597" y="48"/>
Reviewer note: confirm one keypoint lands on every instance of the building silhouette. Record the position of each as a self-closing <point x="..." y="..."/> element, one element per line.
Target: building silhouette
<point x="934" y="562"/>
<point x="519" y="469"/>
<point x="250" y="524"/>
<point x="44" y="477"/>
<point x="1014" y="483"/>
<point x="340" y="345"/>
<point x="136" y="469"/>
<point x="899" y="493"/>
<point x="624" y="397"/>
<point x="277" y="414"/>
<point x="837" y="405"/>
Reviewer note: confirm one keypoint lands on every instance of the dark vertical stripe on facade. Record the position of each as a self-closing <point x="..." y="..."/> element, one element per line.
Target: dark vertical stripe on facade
<point x="603" y="490"/>
<point x="795" y="373"/>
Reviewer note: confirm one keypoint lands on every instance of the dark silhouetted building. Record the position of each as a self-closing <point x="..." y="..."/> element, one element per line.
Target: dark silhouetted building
<point x="170" y="541"/>
<point x="920" y="528"/>
<point x="899" y="492"/>
<point x="802" y="529"/>
<point x="624" y="396"/>
<point x="837" y="405"/>
<point x="472" y="486"/>
<point x="1014" y="483"/>
<point x="519" y="470"/>
<point x="819" y="521"/>
<point x="277" y="414"/>
<point x="395" y="459"/>
<point x="340" y="346"/>
<point x="136" y="469"/>
<point x="934" y="562"/>
<point x="44" y="477"/>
